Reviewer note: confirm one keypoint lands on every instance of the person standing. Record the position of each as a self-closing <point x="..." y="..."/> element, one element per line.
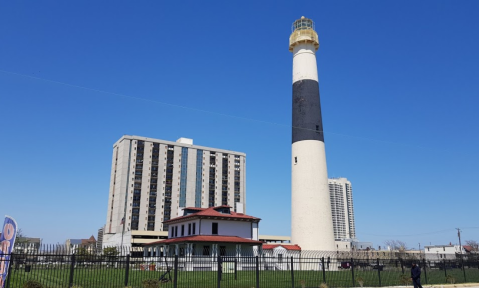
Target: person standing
<point x="416" y="275"/>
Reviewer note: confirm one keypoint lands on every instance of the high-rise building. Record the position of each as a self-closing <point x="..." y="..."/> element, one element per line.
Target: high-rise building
<point x="342" y="210"/>
<point x="311" y="224"/>
<point x="99" y="239"/>
<point x="152" y="179"/>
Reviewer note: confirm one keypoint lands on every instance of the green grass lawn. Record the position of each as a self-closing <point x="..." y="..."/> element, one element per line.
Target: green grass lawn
<point x="59" y="276"/>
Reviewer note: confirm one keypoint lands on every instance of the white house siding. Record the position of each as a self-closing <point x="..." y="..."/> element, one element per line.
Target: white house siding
<point x="227" y="228"/>
<point x="255" y="231"/>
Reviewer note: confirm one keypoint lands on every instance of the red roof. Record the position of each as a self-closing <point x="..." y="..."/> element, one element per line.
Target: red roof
<point x="287" y="247"/>
<point x="207" y="238"/>
<point x="211" y="212"/>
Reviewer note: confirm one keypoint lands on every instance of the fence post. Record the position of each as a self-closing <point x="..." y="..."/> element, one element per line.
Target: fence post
<point x="292" y="273"/>
<point x="425" y="270"/>
<point x="72" y="268"/>
<point x="402" y="265"/>
<point x="379" y="271"/>
<point x="127" y="271"/>
<point x="445" y="273"/>
<point x="463" y="268"/>
<point x="175" y="274"/>
<point x="10" y="261"/>
<point x="352" y="270"/>
<point x="218" y="260"/>
<point x="257" y="272"/>
<point x="236" y="268"/>
<point x="324" y="272"/>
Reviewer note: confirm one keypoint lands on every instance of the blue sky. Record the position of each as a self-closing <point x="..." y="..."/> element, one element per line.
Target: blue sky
<point x="399" y="84"/>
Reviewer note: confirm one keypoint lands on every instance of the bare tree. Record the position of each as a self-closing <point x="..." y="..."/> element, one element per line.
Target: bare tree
<point x="396" y="245"/>
<point x="474" y="244"/>
<point x="21" y="237"/>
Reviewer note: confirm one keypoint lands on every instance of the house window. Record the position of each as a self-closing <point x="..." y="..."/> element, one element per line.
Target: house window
<point x="280" y="258"/>
<point x="222" y="250"/>
<point x="206" y="250"/>
<point x="176" y="231"/>
<point x="194" y="228"/>
<point x="214" y="228"/>
<point x="189" y="228"/>
<point x="182" y="230"/>
<point x="172" y="232"/>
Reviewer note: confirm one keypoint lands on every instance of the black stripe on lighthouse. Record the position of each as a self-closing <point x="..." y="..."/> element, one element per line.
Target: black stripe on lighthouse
<point x="307" y="123"/>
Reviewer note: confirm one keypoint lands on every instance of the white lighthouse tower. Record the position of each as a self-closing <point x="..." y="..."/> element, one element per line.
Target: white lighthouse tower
<point x="311" y="222"/>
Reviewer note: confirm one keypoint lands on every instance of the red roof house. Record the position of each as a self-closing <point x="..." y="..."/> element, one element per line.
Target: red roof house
<point x="213" y="231"/>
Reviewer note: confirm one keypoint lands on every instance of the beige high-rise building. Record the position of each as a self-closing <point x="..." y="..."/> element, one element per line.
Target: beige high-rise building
<point x="152" y="179"/>
<point x="341" y="195"/>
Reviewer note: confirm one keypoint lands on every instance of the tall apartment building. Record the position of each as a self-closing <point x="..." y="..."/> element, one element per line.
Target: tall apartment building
<point x="99" y="239"/>
<point x="341" y="195"/>
<point x="152" y="179"/>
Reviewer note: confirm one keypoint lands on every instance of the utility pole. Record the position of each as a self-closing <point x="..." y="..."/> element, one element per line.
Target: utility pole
<point x="459" y="236"/>
<point x="460" y="249"/>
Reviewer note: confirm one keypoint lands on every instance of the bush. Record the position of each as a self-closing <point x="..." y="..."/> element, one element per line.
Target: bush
<point x="150" y="283"/>
<point x="404" y="279"/>
<point x="450" y="279"/>
<point x="323" y="285"/>
<point x="32" y="284"/>
<point x="360" y="281"/>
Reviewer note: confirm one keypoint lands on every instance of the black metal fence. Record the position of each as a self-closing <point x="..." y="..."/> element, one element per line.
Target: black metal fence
<point x="121" y="268"/>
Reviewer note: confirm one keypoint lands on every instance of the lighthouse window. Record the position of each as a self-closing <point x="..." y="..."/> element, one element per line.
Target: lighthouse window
<point x="295" y="160"/>
<point x="317" y="127"/>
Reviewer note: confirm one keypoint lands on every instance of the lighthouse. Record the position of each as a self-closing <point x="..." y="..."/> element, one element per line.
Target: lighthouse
<point x="311" y="220"/>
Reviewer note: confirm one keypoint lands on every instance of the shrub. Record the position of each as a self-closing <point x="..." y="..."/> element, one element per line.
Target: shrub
<point x="323" y="285"/>
<point x="450" y="279"/>
<point x="360" y="281"/>
<point x="150" y="283"/>
<point x="32" y="284"/>
<point x="404" y="279"/>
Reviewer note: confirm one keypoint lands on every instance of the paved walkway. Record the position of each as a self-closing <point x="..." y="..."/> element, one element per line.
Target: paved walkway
<point x="469" y="285"/>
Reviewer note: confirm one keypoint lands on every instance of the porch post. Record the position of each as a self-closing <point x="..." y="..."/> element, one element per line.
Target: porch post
<point x="214" y="251"/>
<point x="145" y="251"/>
<point x="238" y="250"/>
<point x="189" y="248"/>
